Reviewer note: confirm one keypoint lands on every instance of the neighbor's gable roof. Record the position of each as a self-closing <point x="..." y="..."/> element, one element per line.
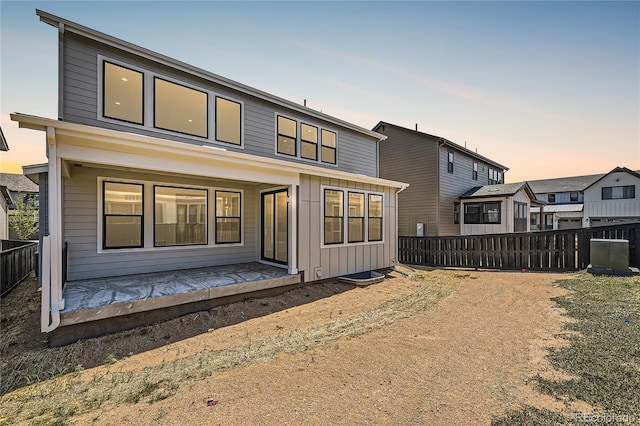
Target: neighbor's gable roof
<point x="499" y="190"/>
<point x="17" y="183"/>
<point x="564" y="184"/>
<point x="444" y="142"/>
<point x="616" y="170"/>
<point x="66" y="25"/>
<point x="4" y="146"/>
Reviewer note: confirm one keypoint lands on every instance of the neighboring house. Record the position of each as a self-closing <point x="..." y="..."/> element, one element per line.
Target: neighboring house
<point x="5" y="198"/>
<point x="495" y="209"/>
<point x="14" y="187"/>
<point x="612" y="199"/>
<point x="438" y="171"/>
<point x="564" y="199"/>
<point x="4" y="146"/>
<point x="579" y="201"/>
<point x="158" y="166"/>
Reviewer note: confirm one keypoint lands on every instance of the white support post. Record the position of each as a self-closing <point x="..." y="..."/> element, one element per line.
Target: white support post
<point x="54" y="267"/>
<point x="293" y="229"/>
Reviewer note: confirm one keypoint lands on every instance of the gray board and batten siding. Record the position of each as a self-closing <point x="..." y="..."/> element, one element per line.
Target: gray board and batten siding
<point x="356" y="152"/>
<point x="420" y="160"/>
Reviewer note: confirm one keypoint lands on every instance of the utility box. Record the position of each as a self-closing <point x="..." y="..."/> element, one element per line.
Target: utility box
<point x="609" y="257"/>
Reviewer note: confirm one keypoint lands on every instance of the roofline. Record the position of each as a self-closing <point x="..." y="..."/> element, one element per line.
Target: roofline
<point x="446" y="142"/>
<point x="4" y="146"/>
<point x="66" y="25"/>
<point x="151" y="142"/>
<point x="616" y="170"/>
<point x="32" y="171"/>
<point x="6" y="195"/>
<point x="524" y="185"/>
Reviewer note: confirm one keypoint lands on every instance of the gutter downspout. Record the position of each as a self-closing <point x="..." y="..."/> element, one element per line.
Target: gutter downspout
<point x="52" y="273"/>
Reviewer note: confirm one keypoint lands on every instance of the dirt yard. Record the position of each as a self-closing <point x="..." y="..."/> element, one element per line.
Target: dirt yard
<point x="440" y="347"/>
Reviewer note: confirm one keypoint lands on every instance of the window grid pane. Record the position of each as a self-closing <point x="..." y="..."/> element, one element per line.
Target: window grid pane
<point x="309" y="137"/>
<point x="180" y="216"/>
<point x="328" y="146"/>
<point x="375" y="217"/>
<point x="228" y="213"/>
<point x="180" y="109"/>
<point x="123" y="93"/>
<point x="356" y="217"/>
<point x="287" y="136"/>
<point x="122" y="215"/>
<point x="228" y="125"/>
<point x="333" y="216"/>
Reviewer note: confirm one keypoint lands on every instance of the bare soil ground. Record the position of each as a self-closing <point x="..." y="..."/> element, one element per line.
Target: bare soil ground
<point x="440" y="347"/>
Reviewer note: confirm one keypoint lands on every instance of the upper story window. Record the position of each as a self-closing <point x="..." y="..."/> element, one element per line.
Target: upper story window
<point x="495" y="177"/>
<point x="328" y="147"/>
<point x="482" y="213"/>
<point x="551" y="198"/>
<point x="474" y="175"/>
<point x="145" y="99"/>
<point x="122" y="212"/>
<point x="180" y="108"/>
<point x="309" y="141"/>
<point x="123" y="93"/>
<point x="618" y="192"/>
<point x="450" y="162"/>
<point x="287" y="135"/>
<point x="573" y="197"/>
<point x="228" y="121"/>
<point x="306" y="141"/>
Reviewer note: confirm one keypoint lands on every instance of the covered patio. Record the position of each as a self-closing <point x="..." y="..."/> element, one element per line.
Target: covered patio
<point x="103" y="298"/>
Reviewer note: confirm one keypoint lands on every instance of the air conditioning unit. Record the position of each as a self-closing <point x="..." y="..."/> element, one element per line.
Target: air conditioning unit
<point x="609" y="257"/>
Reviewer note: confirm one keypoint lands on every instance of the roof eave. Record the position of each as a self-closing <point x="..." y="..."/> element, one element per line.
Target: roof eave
<point x="98" y="36"/>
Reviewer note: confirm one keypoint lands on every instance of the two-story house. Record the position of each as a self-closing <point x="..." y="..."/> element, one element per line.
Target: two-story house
<point x="171" y="187"/>
<point x="439" y="173"/>
<point x="612" y="199"/>
<point x="14" y="187"/>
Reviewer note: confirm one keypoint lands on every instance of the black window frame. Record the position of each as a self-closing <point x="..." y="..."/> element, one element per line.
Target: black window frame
<point x="216" y="217"/>
<point x="551" y="198"/>
<point x="628" y="192"/>
<point x="573" y="197"/>
<point x="332" y="148"/>
<point x="279" y="134"/>
<point x="456" y="212"/>
<point x="155" y="103"/>
<point x="449" y="161"/>
<point x="104" y="82"/>
<point x="480" y="217"/>
<point x="474" y="172"/>
<point x="105" y="215"/>
<point x="520" y="222"/>
<point x="216" y="120"/>
<point x="375" y="218"/>
<point x="361" y="218"/>
<point x="325" y="217"/>
<point x="206" y="216"/>
<point x="305" y="141"/>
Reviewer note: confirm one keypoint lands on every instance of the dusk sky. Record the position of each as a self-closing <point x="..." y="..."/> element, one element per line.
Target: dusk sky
<point x="548" y="89"/>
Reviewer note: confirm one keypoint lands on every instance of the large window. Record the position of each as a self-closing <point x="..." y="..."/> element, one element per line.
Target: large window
<point x="228" y="119"/>
<point x="287" y="136"/>
<point x="228" y="210"/>
<point x="180" y="216"/>
<point x="520" y="213"/>
<point x="356" y="217"/>
<point x="375" y="217"/>
<point x="123" y="214"/>
<point x="450" y="162"/>
<point x="333" y="216"/>
<point x="474" y="174"/>
<point x="123" y="93"/>
<point x="618" y="192"/>
<point x="309" y="141"/>
<point x="495" y="177"/>
<point x="328" y="147"/>
<point x="485" y="213"/>
<point x="180" y="108"/>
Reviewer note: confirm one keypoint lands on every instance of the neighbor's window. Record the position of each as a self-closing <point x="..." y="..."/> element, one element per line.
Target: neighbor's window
<point x="573" y="197"/>
<point x="456" y="212"/>
<point x="618" y="192"/>
<point x="309" y="141"/>
<point x="123" y="93"/>
<point x="356" y="217"/>
<point x="228" y="115"/>
<point x="375" y="217"/>
<point x="179" y="108"/>
<point x="333" y="216"/>
<point x="122" y="215"/>
<point x="477" y="213"/>
<point x="474" y="175"/>
<point x="450" y="162"/>
<point x="287" y="135"/>
<point x="180" y="216"/>
<point x="520" y="213"/>
<point x="328" y="147"/>
<point x="551" y="198"/>
<point x="228" y="210"/>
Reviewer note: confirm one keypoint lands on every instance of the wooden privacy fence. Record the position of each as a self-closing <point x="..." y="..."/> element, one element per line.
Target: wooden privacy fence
<point x="564" y="250"/>
<point x="17" y="260"/>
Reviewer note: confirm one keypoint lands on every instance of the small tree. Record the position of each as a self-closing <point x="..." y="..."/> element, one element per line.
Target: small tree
<point x="23" y="219"/>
